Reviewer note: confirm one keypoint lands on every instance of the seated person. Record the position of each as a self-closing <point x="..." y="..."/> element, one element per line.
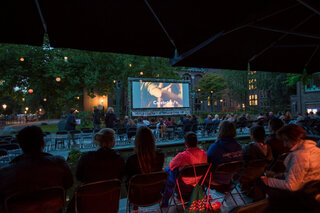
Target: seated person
<point x="302" y="164"/>
<point x="192" y="155"/>
<point x="276" y="145"/>
<point x="225" y="149"/>
<point x="33" y="169"/>
<point x="103" y="164"/>
<point x="255" y="150"/>
<point x="146" y="158"/>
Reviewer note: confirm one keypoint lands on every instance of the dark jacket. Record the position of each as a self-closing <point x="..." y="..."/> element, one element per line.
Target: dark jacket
<point x="251" y="153"/>
<point x="97" y="116"/>
<point x="71" y="122"/>
<point x="276" y="145"/>
<point x="32" y="172"/>
<point x="222" y="151"/>
<point x="110" y="119"/>
<point x="133" y="167"/>
<point x="102" y="164"/>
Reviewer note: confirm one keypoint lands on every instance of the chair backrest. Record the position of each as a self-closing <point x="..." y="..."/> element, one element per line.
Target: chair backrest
<point x="61" y="133"/>
<point x="4" y="143"/>
<point x="3" y="152"/>
<point x="257" y="207"/>
<point x="121" y="131"/>
<point x="145" y="189"/>
<point x="229" y="167"/>
<point x="98" y="196"/>
<point x="51" y="199"/>
<point x="86" y="130"/>
<point x="188" y="171"/>
<point x="9" y="146"/>
<point x="75" y="131"/>
<point x="132" y="129"/>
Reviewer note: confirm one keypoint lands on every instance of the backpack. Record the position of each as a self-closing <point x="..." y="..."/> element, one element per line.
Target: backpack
<point x="200" y="202"/>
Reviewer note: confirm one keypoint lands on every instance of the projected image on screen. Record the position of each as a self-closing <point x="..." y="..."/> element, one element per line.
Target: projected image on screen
<point x="160" y="95"/>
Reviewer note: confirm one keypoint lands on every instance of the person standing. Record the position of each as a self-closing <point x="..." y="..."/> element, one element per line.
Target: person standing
<point x="96" y="119"/>
<point x="110" y="118"/>
<point x="71" y="125"/>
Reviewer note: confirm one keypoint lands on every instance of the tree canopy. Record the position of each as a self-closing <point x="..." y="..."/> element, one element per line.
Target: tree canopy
<point x="24" y="67"/>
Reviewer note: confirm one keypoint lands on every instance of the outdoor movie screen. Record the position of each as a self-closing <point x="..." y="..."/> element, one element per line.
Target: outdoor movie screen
<point x="159" y="94"/>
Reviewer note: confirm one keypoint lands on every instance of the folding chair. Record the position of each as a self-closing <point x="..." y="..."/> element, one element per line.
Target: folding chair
<point x="4" y="158"/>
<point x="61" y="137"/>
<point x="229" y="168"/>
<point x="48" y="141"/>
<point x="100" y="196"/>
<point x="12" y="149"/>
<point x="131" y="132"/>
<point x="182" y="191"/>
<point x="46" y="200"/>
<point x="86" y="135"/>
<point x="257" y="207"/>
<point x="170" y="132"/>
<point x="145" y="189"/>
<point x="122" y="134"/>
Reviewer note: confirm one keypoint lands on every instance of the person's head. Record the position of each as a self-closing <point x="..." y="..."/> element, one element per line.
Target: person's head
<point x="31" y="139"/>
<point x="126" y="118"/>
<point x="257" y="134"/>
<point x="270" y="113"/>
<point x="181" y="118"/>
<point x="275" y="124"/>
<point x="110" y="110"/>
<point x="131" y="122"/>
<point x="291" y="135"/>
<point x="194" y="117"/>
<point x="144" y="145"/>
<point x="169" y="119"/>
<point x="216" y="116"/>
<point x="140" y="120"/>
<point x="105" y="138"/>
<point x="189" y="117"/>
<point x="190" y="139"/>
<point x="227" y="129"/>
<point x="72" y="111"/>
<point x="209" y="116"/>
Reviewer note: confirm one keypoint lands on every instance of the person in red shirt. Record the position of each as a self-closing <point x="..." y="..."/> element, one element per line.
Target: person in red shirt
<point x="191" y="156"/>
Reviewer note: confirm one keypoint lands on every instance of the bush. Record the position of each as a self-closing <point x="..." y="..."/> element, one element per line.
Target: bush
<point x="74" y="156"/>
<point x="86" y="119"/>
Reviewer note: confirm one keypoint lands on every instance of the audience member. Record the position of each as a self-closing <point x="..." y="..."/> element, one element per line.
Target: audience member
<point x="180" y="122"/>
<point x="140" y="123"/>
<point x="225" y="149"/>
<point x="110" y="118"/>
<point x="168" y="122"/>
<point x="275" y="143"/>
<point x="191" y="156"/>
<point x="208" y="120"/>
<point x="34" y="169"/>
<point x="103" y="164"/>
<point x="146" y="158"/>
<point x="71" y="124"/>
<point x="302" y="164"/>
<point x="256" y="150"/>
<point x="146" y="121"/>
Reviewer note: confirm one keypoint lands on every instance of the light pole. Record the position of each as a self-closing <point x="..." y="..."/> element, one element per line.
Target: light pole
<point x="118" y="96"/>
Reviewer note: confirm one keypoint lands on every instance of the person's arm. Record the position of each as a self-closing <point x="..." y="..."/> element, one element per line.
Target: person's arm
<point x="176" y="162"/>
<point x="295" y="175"/>
<point x="212" y="154"/>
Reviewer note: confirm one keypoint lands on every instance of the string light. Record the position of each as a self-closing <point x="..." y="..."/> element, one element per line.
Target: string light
<point x="141" y="73"/>
<point x="44" y="99"/>
<point x="21" y="59"/>
<point x="30" y="91"/>
<point x="58" y="79"/>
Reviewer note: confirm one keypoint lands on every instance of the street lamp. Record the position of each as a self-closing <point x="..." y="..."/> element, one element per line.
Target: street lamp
<point x="58" y="79"/>
<point x="44" y="99"/>
<point x="130" y="65"/>
<point x="4" y="106"/>
<point x="21" y="59"/>
<point x="141" y="73"/>
<point x="27" y="108"/>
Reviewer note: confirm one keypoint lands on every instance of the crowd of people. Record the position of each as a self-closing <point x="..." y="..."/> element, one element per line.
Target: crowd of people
<point x="35" y="169"/>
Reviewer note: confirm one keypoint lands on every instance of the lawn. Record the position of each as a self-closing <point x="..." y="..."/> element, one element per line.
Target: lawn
<point x="53" y="128"/>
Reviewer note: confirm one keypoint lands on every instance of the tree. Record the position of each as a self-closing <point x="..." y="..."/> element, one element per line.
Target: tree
<point x="211" y="85"/>
<point x="238" y="86"/>
<point x="23" y="67"/>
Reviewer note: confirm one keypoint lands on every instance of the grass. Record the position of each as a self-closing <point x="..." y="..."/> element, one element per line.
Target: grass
<point x="53" y="128"/>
